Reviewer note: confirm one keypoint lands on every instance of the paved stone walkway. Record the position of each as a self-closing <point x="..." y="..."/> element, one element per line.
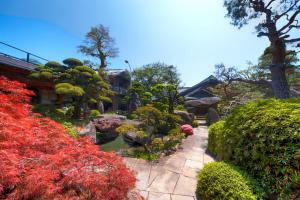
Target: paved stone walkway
<point x="174" y="177"/>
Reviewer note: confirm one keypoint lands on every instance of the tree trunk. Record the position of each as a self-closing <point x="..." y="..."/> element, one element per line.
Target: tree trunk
<point x="77" y="108"/>
<point x="279" y="81"/>
<point x="103" y="62"/>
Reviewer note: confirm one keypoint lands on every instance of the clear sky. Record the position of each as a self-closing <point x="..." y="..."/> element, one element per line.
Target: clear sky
<point x="193" y="35"/>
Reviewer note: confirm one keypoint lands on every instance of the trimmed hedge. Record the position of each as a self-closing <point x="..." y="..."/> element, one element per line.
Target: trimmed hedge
<point x="263" y="137"/>
<point x="220" y="180"/>
<point x="215" y="134"/>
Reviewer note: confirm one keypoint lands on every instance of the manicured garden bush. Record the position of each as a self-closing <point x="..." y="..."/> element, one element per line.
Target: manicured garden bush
<point x="94" y="114"/>
<point x="39" y="160"/>
<point x="263" y="137"/>
<point x="215" y="133"/>
<point x="221" y="181"/>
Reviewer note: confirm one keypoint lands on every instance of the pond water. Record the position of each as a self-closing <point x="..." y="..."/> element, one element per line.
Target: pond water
<point x="115" y="145"/>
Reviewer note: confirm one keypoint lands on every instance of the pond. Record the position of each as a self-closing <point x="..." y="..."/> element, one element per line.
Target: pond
<point x="115" y="145"/>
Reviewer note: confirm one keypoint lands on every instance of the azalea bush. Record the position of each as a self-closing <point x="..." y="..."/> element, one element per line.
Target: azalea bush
<point x="220" y="181"/>
<point x="263" y="137"/>
<point x="39" y="160"/>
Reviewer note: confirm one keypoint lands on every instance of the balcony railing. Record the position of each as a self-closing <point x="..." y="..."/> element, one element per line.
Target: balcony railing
<point x="21" y="55"/>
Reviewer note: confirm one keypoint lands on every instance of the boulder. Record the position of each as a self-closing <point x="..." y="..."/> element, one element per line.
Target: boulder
<point x="89" y="130"/>
<point x="132" y="138"/>
<point x="106" y="129"/>
<point x="187" y="118"/>
<point x="187" y="129"/>
<point x="212" y="116"/>
<point x="200" y="106"/>
<point x="203" y="102"/>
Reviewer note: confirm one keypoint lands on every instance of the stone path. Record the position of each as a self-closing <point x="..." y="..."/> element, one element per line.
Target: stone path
<point x="174" y="177"/>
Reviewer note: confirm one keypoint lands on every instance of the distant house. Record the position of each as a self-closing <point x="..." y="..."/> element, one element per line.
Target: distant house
<point x="18" y="69"/>
<point x="120" y="81"/>
<point x="199" y="98"/>
<point x="200" y="90"/>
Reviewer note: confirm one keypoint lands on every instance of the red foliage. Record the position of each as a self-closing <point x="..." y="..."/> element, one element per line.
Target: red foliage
<point x="39" y="160"/>
<point x="187" y="129"/>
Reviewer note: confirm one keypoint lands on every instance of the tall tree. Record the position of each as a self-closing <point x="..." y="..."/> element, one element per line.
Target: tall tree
<point x="157" y="83"/>
<point x="99" y="44"/>
<point x="277" y="19"/>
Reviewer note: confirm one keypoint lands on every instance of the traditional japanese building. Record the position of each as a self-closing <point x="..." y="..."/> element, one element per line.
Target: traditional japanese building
<point x="18" y="69"/>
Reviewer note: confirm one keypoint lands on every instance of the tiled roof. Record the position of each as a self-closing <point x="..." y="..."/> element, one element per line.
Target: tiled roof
<point x="211" y="80"/>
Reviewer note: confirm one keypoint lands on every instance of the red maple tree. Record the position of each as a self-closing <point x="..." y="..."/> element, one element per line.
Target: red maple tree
<point x="39" y="160"/>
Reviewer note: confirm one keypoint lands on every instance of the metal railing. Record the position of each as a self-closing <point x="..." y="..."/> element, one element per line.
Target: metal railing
<point x="29" y="57"/>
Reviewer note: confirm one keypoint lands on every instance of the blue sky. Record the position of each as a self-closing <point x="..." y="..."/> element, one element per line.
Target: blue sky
<point x="193" y="35"/>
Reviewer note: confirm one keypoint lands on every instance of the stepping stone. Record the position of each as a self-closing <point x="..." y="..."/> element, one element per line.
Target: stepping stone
<point x="144" y="194"/>
<point x="190" y="172"/>
<point x="159" y="196"/>
<point x="208" y="159"/>
<point x="143" y="173"/>
<point x="130" y="162"/>
<point x="175" y="163"/>
<point x="186" y="186"/>
<point x="179" y="197"/>
<point x="194" y="164"/>
<point x="164" y="182"/>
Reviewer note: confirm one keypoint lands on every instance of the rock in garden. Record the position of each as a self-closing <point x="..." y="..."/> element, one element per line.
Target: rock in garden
<point x="187" y="118"/>
<point x="106" y="129"/>
<point x="187" y="129"/>
<point x="203" y="102"/>
<point x="132" y="138"/>
<point x="212" y="116"/>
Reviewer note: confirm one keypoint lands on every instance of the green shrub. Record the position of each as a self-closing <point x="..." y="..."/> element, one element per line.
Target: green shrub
<point x="221" y="181"/>
<point x="69" y="127"/>
<point x="94" y="114"/>
<point x="263" y="137"/>
<point x="195" y="124"/>
<point x="140" y="153"/>
<point x="215" y="133"/>
<point x="50" y="110"/>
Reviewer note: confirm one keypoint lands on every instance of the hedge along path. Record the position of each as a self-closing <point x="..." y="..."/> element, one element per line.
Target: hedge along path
<point x="173" y="177"/>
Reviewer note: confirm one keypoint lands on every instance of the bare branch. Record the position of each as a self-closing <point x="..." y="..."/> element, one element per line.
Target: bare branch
<point x="291" y="21"/>
<point x="277" y="17"/>
<point x="261" y="34"/>
<point x="269" y="4"/>
<point x="254" y="82"/>
<point x="293" y="40"/>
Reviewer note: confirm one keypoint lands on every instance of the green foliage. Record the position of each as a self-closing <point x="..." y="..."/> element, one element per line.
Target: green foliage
<point x="94" y="114"/>
<point x="168" y="123"/>
<point x="215" y="134"/>
<point x="57" y="114"/>
<point x="264" y="138"/>
<point x="157" y="84"/>
<point x="72" y="62"/>
<point x="82" y="83"/>
<point x="69" y="127"/>
<point x="105" y="99"/>
<point x="126" y="128"/>
<point x="140" y="153"/>
<point x="50" y="110"/>
<point x="195" y="124"/>
<point x="219" y="181"/>
<point x="149" y="116"/>
<point x="68" y="89"/>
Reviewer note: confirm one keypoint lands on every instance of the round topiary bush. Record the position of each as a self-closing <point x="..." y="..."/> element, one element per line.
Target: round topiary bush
<point x="263" y="137"/>
<point x="219" y="180"/>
